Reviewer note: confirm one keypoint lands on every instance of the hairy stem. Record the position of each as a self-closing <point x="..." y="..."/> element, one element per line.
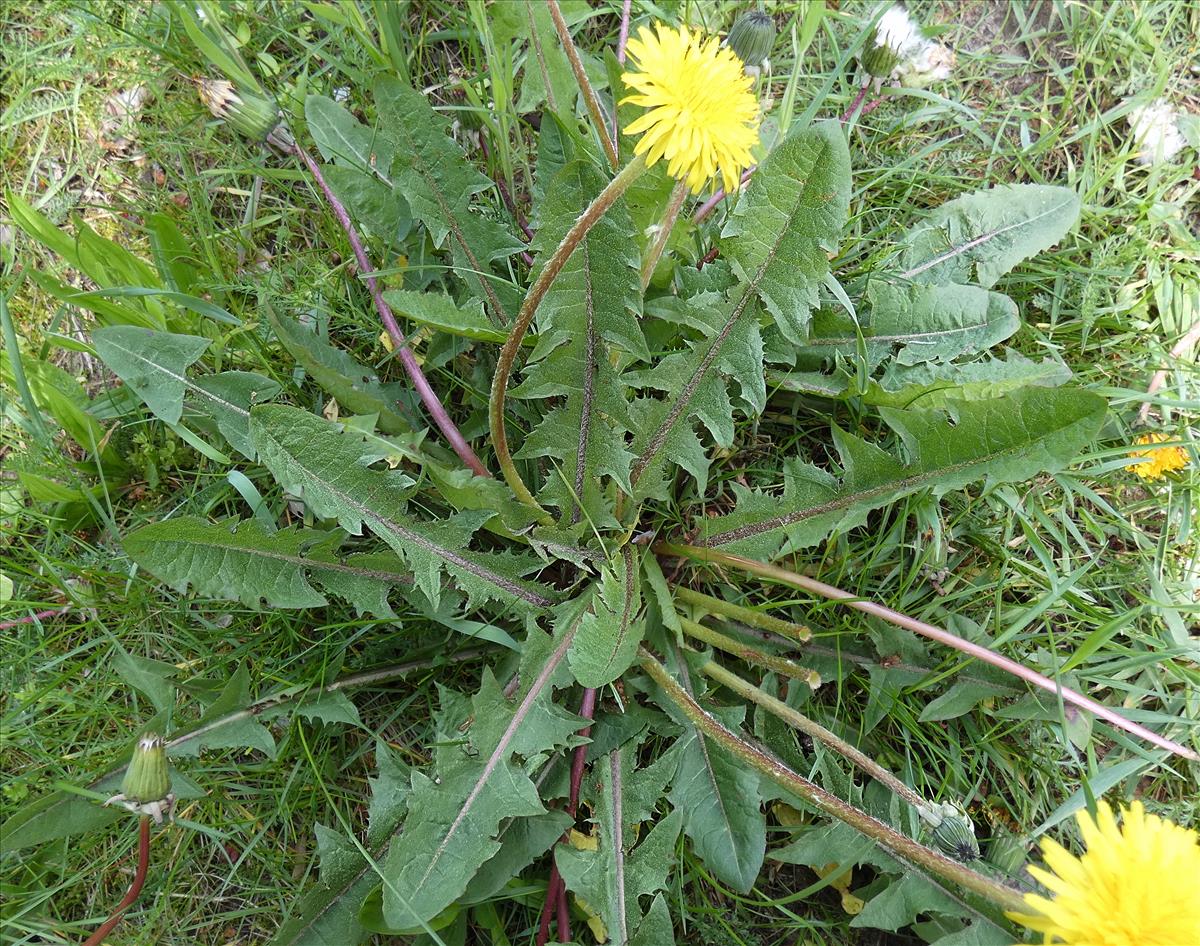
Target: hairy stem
<point x="428" y="396"/>
<point x="798" y="720"/>
<point x="857" y="101"/>
<point x="508" y="353"/>
<point x="734" y="612"/>
<point x="941" y="635"/>
<point x="781" y="665"/>
<point x="135" y="888"/>
<point x="898" y="844"/>
<point x="665" y="226"/>
<point x="585" y="85"/>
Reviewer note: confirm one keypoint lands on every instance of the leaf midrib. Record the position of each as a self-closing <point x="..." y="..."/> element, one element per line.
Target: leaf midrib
<point x="916" y="480"/>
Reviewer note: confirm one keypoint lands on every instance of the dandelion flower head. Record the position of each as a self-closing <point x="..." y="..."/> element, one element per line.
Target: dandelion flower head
<point x="1159" y="460"/>
<point x="702" y="115"/>
<point x="1135" y="884"/>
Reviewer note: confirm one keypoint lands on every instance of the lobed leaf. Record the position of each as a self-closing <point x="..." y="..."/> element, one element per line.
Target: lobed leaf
<point x="438" y="182"/>
<point x="454" y="818"/>
<point x="800" y="196"/>
<point x="612" y="628"/>
<point x="1004" y="439"/>
<point x="981" y="236"/>
<point x="328" y="468"/>
<point x="588" y="316"/>
<point x="248" y="564"/>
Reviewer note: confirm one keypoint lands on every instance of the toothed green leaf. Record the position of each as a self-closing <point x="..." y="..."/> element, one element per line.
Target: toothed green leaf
<point x="1005" y="439"/>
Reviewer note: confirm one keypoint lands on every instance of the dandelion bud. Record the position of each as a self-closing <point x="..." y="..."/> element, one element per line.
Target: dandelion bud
<point x="1008" y="853"/>
<point x="147" y="779"/>
<point x="248" y="113"/>
<point x="752" y="39"/>
<point x="953" y="832"/>
<point x="146" y="787"/>
<point x="897" y="37"/>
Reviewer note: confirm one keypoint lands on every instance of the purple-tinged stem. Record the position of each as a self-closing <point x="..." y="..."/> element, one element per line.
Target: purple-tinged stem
<point x="942" y="636"/>
<point x="623" y="35"/>
<point x="857" y="101"/>
<point x="139" y="880"/>
<point x="622" y="40"/>
<point x="428" y="396"/>
<point x="871" y="106"/>
<point x="710" y="205"/>
<point x="30" y="618"/>
<point x="556" y="890"/>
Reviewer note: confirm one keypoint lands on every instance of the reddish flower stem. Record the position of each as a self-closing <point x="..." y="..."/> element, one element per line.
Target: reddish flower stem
<point x="556" y="890"/>
<point x="30" y="618"/>
<point x="139" y="880"/>
<point x="428" y="396"/>
<point x="857" y="102"/>
<point x="941" y="635"/>
<point x="710" y="205"/>
<point x="623" y="35"/>
<point x="870" y="106"/>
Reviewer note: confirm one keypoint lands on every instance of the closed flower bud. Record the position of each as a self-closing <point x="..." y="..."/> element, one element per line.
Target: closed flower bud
<point x="147" y="778"/>
<point x="752" y="39"/>
<point x="1008" y="853"/>
<point x="146" y="787"/>
<point x="248" y="113"/>
<point x="953" y="832"/>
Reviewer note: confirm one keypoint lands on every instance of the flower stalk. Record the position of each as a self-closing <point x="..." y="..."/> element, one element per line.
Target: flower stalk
<point x="665" y="226"/>
<point x="429" y="398"/>
<point x="797" y="720"/>
<point x="734" y="612"/>
<point x="780" y="665"/>
<point x="585" y="86"/>
<point x="545" y="279"/>
<point x="135" y="888"/>
<point x="942" y="636"/>
<point x="898" y="844"/>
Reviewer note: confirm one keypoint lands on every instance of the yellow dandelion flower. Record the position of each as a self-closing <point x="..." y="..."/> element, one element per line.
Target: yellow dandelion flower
<point x="1159" y="460"/>
<point x="1137" y="884"/>
<point x="703" y="117"/>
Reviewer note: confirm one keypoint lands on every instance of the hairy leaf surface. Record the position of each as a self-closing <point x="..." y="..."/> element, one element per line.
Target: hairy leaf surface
<point x="721" y="805"/>
<point x="454" y="818"/>
<point x="247" y="564"/>
<point x="438" y="182"/>
<point x="801" y="196"/>
<point x="612" y="628"/>
<point x="981" y="236"/>
<point x="326" y="467"/>
<point x="592" y="307"/>
<point x="1005" y="439"/>
<point x="781" y="234"/>
<point x="918" y="323"/>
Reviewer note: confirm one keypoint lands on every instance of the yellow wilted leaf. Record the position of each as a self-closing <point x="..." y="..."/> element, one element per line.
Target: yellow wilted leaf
<point x="583" y="842"/>
<point x="841" y="883"/>
<point x="595" y="924"/>
<point x="788" y="816"/>
<point x="386" y="341"/>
